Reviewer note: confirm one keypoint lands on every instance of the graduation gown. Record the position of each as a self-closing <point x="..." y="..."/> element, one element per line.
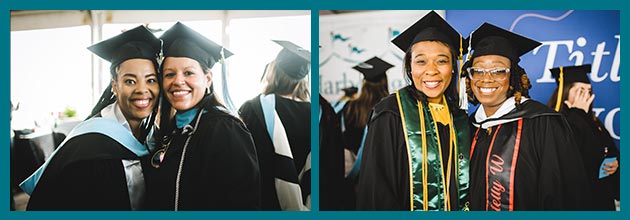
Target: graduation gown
<point x="295" y="117"/>
<point x="85" y="174"/>
<point x="352" y="135"/>
<point x="384" y="177"/>
<point x="526" y="159"/>
<point x="335" y="193"/>
<point x="219" y="171"/>
<point x="595" y="144"/>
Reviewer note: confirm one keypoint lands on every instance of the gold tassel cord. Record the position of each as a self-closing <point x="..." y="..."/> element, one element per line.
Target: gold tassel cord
<point x="560" y="88"/>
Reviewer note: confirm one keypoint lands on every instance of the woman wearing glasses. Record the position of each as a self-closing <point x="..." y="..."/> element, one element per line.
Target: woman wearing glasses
<point x="416" y="149"/>
<point x="523" y="156"/>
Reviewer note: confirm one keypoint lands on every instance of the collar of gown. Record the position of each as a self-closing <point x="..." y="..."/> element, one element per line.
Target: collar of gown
<point x="481" y="119"/>
<point x="184" y="118"/>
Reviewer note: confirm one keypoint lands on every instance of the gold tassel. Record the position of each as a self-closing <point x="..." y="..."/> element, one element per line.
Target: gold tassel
<point x="560" y="88"/>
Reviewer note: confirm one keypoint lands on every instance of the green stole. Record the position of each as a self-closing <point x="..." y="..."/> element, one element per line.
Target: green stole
<point x="427" y="171"/>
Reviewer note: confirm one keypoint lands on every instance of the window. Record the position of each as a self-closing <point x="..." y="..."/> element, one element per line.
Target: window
<point x="50" y="71"/>
<point x="250" y="40"/>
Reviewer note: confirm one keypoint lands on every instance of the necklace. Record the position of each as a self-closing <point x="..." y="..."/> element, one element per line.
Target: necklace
<point x="158" y="156"/>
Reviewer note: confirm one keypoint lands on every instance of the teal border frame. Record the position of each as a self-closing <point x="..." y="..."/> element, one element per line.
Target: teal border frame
<point x="314" y="6"/>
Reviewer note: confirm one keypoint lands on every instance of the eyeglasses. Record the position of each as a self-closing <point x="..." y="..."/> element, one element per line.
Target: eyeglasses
<point x="477" y="73"/>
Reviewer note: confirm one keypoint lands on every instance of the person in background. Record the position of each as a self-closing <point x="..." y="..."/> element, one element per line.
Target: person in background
<point x="349" y="94"/>
<point x="279" y="119"/>
<point x="413" y="157"/>
<point x="575" y="102"/>
<point x="99" y="166"/>
<point x="523" y="156"/>
<point x="355" y="113"/>
<point x="333" y="188"/>
<point x="207" y="159"/>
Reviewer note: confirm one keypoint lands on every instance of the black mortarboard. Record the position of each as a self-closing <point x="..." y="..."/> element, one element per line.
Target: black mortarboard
<point x="294" y="60"/>
<point x="135" y="43"/>
<point x="350" y="91"/>
<point x="431" y="27"/>
<point x="572" y="74"/>
<point x="492" y="40"/>
<point x="182" y="41"/>
<point x="567" y="75"/>
<point x="373" y="69"/>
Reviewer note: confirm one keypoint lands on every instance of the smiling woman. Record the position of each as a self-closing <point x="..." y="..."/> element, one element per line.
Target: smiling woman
<point x="207" y="159"/>
<point x="418" y="133"/>
<point x="522" y="155"/>
<point x="98" y="165"/>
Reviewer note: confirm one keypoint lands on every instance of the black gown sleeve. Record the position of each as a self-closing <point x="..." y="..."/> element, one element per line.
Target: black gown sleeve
<point x="84" y="176"/>
<point x="563" y="184"/>
<point x="383" y="182"/>
<point x="334" y="191"/>
<point x="233" y="158"/>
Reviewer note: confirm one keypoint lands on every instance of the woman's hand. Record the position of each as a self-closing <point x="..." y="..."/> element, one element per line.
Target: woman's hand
<point x="582" y="100"/>
<point x="610" y="168"/>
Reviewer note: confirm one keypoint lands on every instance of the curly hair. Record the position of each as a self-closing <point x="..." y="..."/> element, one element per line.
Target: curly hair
<point x="519" y="83"/>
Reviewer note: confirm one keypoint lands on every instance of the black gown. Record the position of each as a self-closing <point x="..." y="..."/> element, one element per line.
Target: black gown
<point x="296" y="118"/>
<point x="334" y="190"/>
<point x="548" y="173"/>
<point x="85" y="174"/>
<point x="385" y="158"/>
<point x="353" y="134"/>
<point x="595" y="144"/>
<point x="220" y="169"/>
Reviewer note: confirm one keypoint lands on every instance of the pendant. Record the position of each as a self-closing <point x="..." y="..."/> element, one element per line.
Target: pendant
<point x="157" y="158"/>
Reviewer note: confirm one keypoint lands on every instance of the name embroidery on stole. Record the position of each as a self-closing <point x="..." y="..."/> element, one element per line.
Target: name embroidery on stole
<point x="500" y="167"/>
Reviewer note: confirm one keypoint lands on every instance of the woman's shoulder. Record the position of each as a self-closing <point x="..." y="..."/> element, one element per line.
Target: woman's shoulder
<point x="387" y="105"/>
<point x="251" y="103"/>
<point x="221" y="120"/>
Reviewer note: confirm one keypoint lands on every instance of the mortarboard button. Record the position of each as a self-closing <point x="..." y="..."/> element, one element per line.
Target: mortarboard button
<point x="572" y="74"/>
<point x="492" y="40"/>
<point x="131" y="44"/>
<point x="431" y="27"/>
<point x="182" y="41"/>
<point x="373" y="69"/>
<point x="294" y="60"/>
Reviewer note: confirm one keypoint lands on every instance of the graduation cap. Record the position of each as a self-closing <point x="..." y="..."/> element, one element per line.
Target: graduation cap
<point x="350" y="91"/>
<point x="182" y="41"/>
<point x="294" y="60"/>
<point x="492" y="40"/>
<point x="566" y="76"/>
<point x="135" y="43"/>
<point x="571" y="74"/>
<point x="431" y="27"/>
<point x="373" y="69"/>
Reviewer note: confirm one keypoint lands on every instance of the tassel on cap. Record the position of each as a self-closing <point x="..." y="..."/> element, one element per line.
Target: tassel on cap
<point x="560" y="88"/>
